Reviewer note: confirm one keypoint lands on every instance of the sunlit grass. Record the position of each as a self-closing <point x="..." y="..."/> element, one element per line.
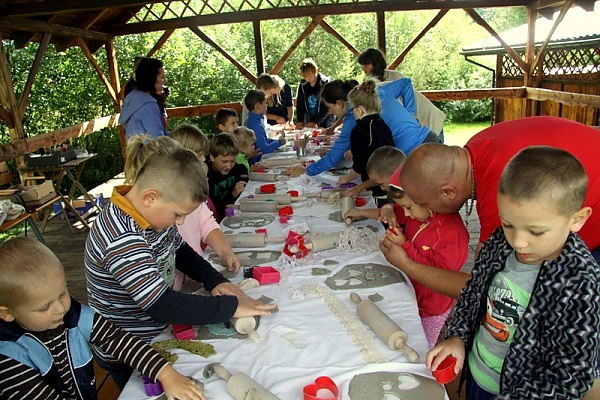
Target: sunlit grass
<point x="458" y="133"/>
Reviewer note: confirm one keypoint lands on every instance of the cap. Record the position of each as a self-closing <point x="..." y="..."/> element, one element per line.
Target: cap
<point x="395" y="178"/>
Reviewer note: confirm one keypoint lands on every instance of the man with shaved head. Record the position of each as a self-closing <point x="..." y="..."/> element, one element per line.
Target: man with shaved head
<point x="444" y="178"/>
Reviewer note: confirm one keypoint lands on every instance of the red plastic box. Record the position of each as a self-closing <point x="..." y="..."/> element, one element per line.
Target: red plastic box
<point x="265" y="275"/>
<point x="183" y="332"/>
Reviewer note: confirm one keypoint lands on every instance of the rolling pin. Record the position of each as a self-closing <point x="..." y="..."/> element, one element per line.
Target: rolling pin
<point x="327" y="193"/>
<point x="262" y="177"/>
<point x="347" y="205"/>
<point x="240" y="385"/>
<point x="384" y="327"/>
<point x="251" y="239"/>
<point x="256" y="206"/>
<point x="246" y="326"/>
<point x="277" y="162"/>
<point x="281" y="198"/>
<point x="321" y="243"/>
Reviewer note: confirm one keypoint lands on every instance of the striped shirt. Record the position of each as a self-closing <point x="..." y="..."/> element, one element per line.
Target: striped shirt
<point x="129" y="266"/>
<point x="18" y="381"/>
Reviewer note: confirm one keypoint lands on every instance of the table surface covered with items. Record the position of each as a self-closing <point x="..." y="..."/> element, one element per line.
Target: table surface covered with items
<point x="346" y="324"/>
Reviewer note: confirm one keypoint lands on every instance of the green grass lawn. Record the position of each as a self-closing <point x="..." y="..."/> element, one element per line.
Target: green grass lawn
<point x="458" y="133"/>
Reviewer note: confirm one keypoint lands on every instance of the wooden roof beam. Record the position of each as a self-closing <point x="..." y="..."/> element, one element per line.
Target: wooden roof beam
<point x="53" y="7"/>
<point x="412" y="44"/>
<point x="540" y="53"/>
<point x="307" y="31"/>
<point x="92" y="18"/>
<point x="33" y="71"/>
<point x="303" y="11"/>
<point x="31" y="25"/>
<point x="331" y="30"/>
<point x="513" y="54"/>
<point x="88" y="54"/>
<point x="228" y="56"/>
<point x="160" y="42"/>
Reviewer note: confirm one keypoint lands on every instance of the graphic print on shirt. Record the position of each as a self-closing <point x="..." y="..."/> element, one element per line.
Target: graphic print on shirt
<point x="312" y="101"/>
<point x="224" y="188"/>
<point x="168" y="267"/>
<point x="503" y="311"/>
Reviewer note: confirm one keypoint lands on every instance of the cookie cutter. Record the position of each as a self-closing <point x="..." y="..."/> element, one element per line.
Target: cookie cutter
<point x="311" y="392"/>
<point x="152" y="388"/>
<point x="296" y="241"/>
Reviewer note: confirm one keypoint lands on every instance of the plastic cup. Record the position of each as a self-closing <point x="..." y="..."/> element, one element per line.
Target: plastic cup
<point x="268" y="188"/>
<point x="445" y="371"/>
<point x="360" y="201"/>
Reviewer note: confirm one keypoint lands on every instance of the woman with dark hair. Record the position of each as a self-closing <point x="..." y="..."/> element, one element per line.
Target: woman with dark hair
<point x="143" y="109"/>
<point x="372" y="61"/>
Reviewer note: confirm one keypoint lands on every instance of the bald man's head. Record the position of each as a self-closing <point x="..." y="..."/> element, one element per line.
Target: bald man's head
<point x="432" y="177"/>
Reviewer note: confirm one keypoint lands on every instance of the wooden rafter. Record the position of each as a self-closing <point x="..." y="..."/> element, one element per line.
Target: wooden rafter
<point x="8" y="99"/>
<point x="540" y="53"/>
<point x="307" y="31"/>
<point x="113" y="70"/>
<point x="161" y="41"/>
<point x="394" y="64"/>
<point x="331" y="30"/>
<point x="53" y="7"/>
<point x="301" y="11"/>
<point x="228" y="56"/>
<point x="513" y="54"/>
<point x="6" y="117"/>
<point x="88" y="54"/>
<point x="258" y="47"/>
<point x="32" y="72"/>
<point x="31" y="25"/>
<point x="92" y="18"/>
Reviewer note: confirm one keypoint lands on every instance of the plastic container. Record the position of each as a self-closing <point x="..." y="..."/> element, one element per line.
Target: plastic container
<point x="445" y="371"/>
<point x="261" y="230"/>
<point x="324" y="388"/>
<point x="284" y="219"/>
<point x="152" y="388"/>
<point x="293" y="193"/>
<point x="229" y="212"/>
<point x="265" y="275"/>
<point x="286" y="210"/>
<point x="360" y="201"/>
<point x="268" y="188"/>
<point x="183" y="332"/>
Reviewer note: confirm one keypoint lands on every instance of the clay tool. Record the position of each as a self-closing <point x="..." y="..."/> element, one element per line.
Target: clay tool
<point x="256" y="206"/>
<point x="246" y="326"/>
<point x="281" y="198"/>
<point x="239" y="385"/>
<point x="384" y="327"/>
<point x="251" y="239"/>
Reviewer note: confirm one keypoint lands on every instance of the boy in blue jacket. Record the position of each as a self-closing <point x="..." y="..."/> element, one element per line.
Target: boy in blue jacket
<point x="256" y="102"/>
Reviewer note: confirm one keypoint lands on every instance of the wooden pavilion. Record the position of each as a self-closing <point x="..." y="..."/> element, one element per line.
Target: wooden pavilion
<point x="94" y="24"/>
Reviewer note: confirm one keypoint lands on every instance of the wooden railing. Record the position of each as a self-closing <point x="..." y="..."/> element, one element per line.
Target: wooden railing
<point x="17" y="148"/>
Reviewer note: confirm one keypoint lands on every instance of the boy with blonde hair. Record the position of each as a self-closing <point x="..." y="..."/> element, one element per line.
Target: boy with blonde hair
<point x="45" y="334"/>
<point x="245" y="138"/>
<point x="192" y="138"/>
<point x="526" y="325"/>
<point x="133" y="250"/>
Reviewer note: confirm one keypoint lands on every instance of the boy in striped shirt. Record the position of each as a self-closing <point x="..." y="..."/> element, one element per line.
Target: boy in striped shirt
<point x="44" y="334"/>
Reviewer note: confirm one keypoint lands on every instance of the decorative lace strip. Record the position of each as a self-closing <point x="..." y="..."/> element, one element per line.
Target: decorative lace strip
<point x="358" y="240"/>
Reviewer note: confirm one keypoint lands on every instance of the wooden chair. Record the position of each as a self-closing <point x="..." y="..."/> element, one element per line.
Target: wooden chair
<point x="6" y="178"/>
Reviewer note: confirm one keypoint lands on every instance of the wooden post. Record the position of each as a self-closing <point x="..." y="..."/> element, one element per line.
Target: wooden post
<point x="381" y="31"/>
<point x="529" y="58"/>
<point x="88" y="54"/>
<point x="113" y="71"/>
<point x="258" y="47"/>
<point x="8" y="99"/>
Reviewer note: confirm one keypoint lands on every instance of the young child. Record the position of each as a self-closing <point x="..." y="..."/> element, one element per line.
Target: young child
<point x="312" y="112"/>
<point x="134" y="248"/>
<point x="45" y="334"/>
<point x="226" y="120"/>
<point x="256" y="102"/>
<point x="370" y="133"/>
<point x="527" y="323"/>
<point x="226" y="178"/>
<point x="245" y="139"/>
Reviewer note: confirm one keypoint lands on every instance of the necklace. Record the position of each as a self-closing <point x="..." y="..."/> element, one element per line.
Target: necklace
<point x="471" y="201"/>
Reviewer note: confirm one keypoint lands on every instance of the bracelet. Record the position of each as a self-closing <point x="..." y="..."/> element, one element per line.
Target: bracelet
<point x="391" y="207"/>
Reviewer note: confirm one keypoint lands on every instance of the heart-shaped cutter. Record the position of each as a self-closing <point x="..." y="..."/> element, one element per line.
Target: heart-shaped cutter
<point x="322" y="382"/>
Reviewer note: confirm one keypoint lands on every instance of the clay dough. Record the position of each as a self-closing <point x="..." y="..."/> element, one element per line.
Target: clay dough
<point x="337" y="217"/>
<point x="320" y="271"/>
<point x="250" y="257"/>
<point x="364" y="276"/>
<point x="394" y="386"/>
<point x="248" y="220"/>
<point x="373" y="228"/>
<point x="375" y="297"/>
<point x="330" y="262"/>
<point x="267" y="300"/>
<point x="220" y="331"/>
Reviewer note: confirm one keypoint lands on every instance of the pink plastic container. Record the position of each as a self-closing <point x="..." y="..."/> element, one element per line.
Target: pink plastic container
<point x="265" y="275"/>
<point x="183" y="332"/>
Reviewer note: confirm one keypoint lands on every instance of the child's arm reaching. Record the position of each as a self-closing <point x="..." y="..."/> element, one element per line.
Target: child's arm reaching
<point x="23" y="382"/>
<point x="453" y="346"/>
<point x="362" y="213"/>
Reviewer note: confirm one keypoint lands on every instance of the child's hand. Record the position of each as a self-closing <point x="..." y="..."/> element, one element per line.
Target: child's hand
<point x="453" y="346"/>
<point x="299" y="125"/>
<point x="342" y="179"/>
<point x="178" y="386"/>
<point x="282" y="140"/>
<point x="348" y="155"/>
<point x="231" y="261"/>
<point x="322" y="152"/>
<point x="352" y="213"/>
<point x="395" y="235"/>
<point x="256" y="153"/>
<point x="295" y="171"/>
<point x="387" y="216"/>
<point x="238" y="188"/>
<point x="227" y="289"/>
<point x="248" y="307"/>
<point x="394" y="253"/>
<point x="280" y="119"/>
<point x="354" y="192"/>
<point x="258" y="167"/>
<point x="312" y="125"/>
